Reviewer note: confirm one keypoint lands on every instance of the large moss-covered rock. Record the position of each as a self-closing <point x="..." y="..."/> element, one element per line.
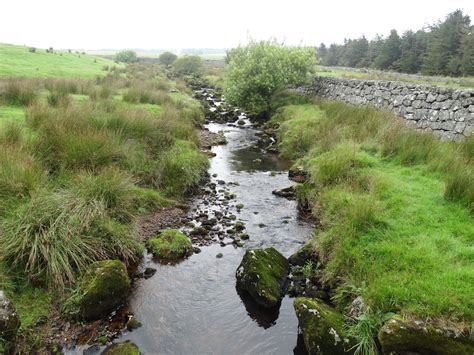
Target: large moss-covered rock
<point x="125" y="348"/>
<point x="322" y="327"/>
<point x="304" y="254"/>
<point x="170" y="245"/>
<point x="402" y="336"/>
<point x="262" y="273"/>
<point x="103" y="288"/>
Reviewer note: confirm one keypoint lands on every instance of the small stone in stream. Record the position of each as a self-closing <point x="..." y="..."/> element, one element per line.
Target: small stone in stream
<point x="239" y="206"/>
<point x="149" y="272"/>
<point x="285" y="221"/>
<point x="261" y="225"/>
<point x="273" y="173"/>
<point x="231" y="231"/>
<point x="239" y="243"/>
<point x="214" y="175"/>
<point x="287" y="192"/>
<point x="255" y="212"/>
<point x="133" y="324"/>
<point x="241" y="122"/>
<point x="232" y="217"/>
<point x="239" y="226"/>
<point x="244" y="236"/>
<point x="196" y="250"/>
<point x="125" y="348"/>
<point x="221" y="182"/>
<point x="219" y="255"/>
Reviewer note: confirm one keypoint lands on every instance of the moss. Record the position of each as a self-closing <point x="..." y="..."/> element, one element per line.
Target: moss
<point x="170" y="244"/>
<point x="262" y="273"/>
<point x="125" y="348"/>
<point x="322" y="327"/>
<point x="305" y="253"/>
<point x="412" y="336"/>
<point x="103" y="288"/>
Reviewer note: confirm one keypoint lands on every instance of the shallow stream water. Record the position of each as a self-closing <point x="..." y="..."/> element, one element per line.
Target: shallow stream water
<point x="193" y="307"/>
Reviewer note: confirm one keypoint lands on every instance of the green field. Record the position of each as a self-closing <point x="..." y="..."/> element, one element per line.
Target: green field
<point x="19" y="61"/>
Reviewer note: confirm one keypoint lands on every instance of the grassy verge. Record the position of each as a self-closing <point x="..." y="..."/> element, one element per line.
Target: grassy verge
<point x="79" y="161"/>
<point x="395" y="208"/>
<point x="23" y="61"/>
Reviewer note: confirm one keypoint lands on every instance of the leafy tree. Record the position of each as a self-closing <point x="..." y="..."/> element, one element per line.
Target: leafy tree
<point x="188" y="65"/>
<point x="167" y="58"/>
<point x="375" y="46"/>
<point x="322" y="53"/>
<point x="126" y="57"/>
<point x="390" y="51"/>
<point x="332" y="58"/>
<point x="444" y="44"/>
<point x="413" y="47"/>
<point x="467" y="54"/>
<point x="260" y="69"/>
<point x="357" y="52"/>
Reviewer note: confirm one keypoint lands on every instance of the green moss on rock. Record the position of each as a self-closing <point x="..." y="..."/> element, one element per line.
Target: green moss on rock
<point x="304" y="254"/>
<point x="103" y="288"/>
<point x="171" y="245"/>
<point x="401" y="336"/>
<point x="262" y="273"/>
<point x="125" y="348"/>
<point x="322" y="327"/>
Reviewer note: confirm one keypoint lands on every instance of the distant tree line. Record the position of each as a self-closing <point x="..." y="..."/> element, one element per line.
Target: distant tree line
<point x="444" y="48"/>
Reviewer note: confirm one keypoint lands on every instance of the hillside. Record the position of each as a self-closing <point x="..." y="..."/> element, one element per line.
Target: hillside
<point x="19" y="61"/>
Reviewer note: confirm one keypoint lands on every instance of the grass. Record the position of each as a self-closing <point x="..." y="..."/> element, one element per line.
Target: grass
<point x="78" y="165"/>
<point x="455" y="83"/>
<point x="19" y="61"/>
<point x="396" y="210"/>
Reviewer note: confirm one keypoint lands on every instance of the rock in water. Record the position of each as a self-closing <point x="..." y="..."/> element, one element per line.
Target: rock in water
<point x="9" y="324"/>
<point x="125" y="348"/>
<point x="402" y="336"/>
<point x="322" y="327"/>
<point x="287" y="192"/>
<point x="103" y="288"/>
<point x="303" y="255"/>
<point x="171" y="245"/>
<point x="262" y="273"/>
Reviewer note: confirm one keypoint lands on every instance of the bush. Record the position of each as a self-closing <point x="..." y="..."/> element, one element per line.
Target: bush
<point x="32" y="49"/>
<point x="126" y="57"/>
<point x="259" y="70"/>
<point x="167" y="58"/>
<point x="56" y="99"/>
<point x="188" y="65"/>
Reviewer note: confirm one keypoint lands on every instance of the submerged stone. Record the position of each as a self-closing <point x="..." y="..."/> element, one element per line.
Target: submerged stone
<point x="402" y="336"/>
<point x="171" y="244"/>
<point x="262" y="273"/>
<point x="103" y="288"/>
<point x="125" y="348"/>
<point x="322" y="327"/>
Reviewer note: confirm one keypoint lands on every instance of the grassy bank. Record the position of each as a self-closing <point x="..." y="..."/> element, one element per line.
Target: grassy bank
<point x="395" y="206"/>
<point x="80" y="160"/>
<point x="37" y="62"/>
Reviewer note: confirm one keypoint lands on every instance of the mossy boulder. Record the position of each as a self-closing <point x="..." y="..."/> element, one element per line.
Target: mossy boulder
<point x="170" y="245"/>
<point x="402" y="336"/>
<point x="125" y="348"/>
<point x="262" y="273"/>
<point x="303" y="255"/>
<point x="322" y="327"/>
<point x="103" y="289"/>
<point x="9" y="324"/>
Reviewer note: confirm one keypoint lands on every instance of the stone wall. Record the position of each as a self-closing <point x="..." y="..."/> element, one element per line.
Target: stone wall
<point x="446" y="112"/>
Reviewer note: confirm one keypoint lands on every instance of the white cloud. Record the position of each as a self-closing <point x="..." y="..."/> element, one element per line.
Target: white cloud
<point x="147" y="24"/>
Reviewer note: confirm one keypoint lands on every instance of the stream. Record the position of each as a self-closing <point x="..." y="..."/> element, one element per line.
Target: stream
<point x="193" y="307"/>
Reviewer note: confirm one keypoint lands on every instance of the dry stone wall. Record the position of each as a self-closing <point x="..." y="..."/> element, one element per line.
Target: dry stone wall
<point x="447" y="113"/>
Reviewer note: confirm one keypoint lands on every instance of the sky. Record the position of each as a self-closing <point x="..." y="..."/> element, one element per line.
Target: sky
<point x="147" y="24"/>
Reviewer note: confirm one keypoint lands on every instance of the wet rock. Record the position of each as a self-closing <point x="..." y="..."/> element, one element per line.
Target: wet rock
<point x="244" y="236"/>
<point x="196" y="250"/>
<point x="125" y="348"/>
<point x="303" y="255"/>
<point x="149" y="272"/>
<point x="287" y="192"/>
<point x="239" y="226"/>
<point x="170" y="244"/>
<point x="298" y="174"/>
<point x="402" y="336"/>
<point x="239" y="206"/>
<point x="358" y="307"/>
<point x="262" y="273"/>
<point x="103" y="288"/>
<point x="219" y="255"/>
<point x="133" y="324"/>
<point x="322" y="327"/>
<point x="9" y="322"/>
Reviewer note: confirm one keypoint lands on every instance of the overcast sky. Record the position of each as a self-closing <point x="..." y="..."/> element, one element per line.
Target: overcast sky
<point x="147" y="24"/>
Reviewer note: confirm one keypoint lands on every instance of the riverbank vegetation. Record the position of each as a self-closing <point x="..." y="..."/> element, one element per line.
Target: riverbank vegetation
<point x="80" y="160"/>
<point x="395" y="208"/>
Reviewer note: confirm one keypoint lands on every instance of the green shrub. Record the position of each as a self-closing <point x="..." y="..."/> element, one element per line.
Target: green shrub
<point x="126" y="57"/>
<point x="167" y="58"/>
<point x="188" y="65"/>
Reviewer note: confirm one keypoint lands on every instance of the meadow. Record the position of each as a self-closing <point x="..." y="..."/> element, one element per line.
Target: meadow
<point x="82" y="155"/>
<point x="394" y="208"/>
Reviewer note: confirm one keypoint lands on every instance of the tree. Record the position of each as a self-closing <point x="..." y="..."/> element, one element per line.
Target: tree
<point x="389" y="52"/>
<point x="444" y="44"/>
<point x="332" y="58"/>
<point x="188" y="65"/>
<point x="322" y="53"/>
<point x="260" y="69"/>
<point x="467" y="54"/>
<point x="126" y="57"/>
<point x="167" y="58"/>
<point x="413" y="47"/>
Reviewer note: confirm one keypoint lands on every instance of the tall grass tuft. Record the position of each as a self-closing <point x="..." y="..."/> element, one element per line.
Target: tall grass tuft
<point x="19" y="91"/>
